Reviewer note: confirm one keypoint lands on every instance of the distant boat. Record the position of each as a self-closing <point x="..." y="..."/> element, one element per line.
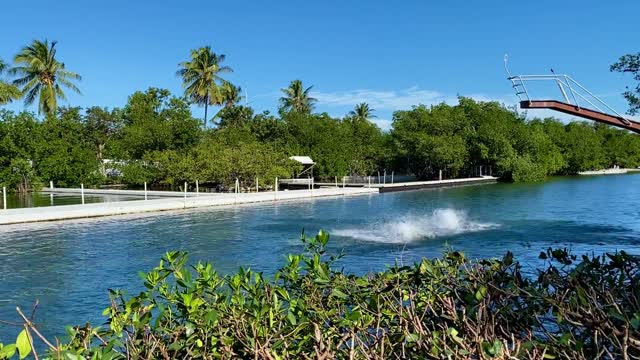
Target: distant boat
<point x="613" y="171"/>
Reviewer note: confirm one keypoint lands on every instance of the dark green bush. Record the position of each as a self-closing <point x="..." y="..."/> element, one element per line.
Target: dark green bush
<point x="449" y="307"/>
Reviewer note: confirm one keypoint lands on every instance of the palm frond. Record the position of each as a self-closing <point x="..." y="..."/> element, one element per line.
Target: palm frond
<point x="41" y="75"/>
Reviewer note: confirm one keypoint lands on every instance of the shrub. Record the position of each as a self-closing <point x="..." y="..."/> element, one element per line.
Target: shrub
<point x="448" y="307"/>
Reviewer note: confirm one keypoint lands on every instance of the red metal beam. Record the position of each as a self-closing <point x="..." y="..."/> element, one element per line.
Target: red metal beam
<point x="582" y="112"/>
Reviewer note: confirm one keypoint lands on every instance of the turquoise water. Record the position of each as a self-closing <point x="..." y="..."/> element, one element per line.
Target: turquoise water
<point x="69" y="266"/>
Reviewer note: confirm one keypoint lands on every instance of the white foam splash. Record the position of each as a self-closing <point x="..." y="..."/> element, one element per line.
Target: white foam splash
<point x="441" y="222"/>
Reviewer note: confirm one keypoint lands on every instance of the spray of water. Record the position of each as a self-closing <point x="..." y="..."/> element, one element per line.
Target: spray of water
<point x="441" y="222"/>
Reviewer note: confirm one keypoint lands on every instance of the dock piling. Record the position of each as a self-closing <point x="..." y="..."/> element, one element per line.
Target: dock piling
<point x="276" y="189"/>
<point x="82" y="192"/>
<point x="344" y="181"/>
<point x="51" y="185"/>
<point x="257" y="187"/>
<point x="185" y="194"/>
<point x="4" y="197"/>
<point x="385" y="177"/>
<point x="237" y="190"/>
<point x="145" y="190"/>
<point x="440" y="176"/>
<point x="392" y="176"/>
<point x="336" y="178"/>
<point x="197" y="188"/>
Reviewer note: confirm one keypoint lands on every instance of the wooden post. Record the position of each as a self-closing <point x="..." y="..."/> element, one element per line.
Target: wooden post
<point x="145" y="190"/>
<point x="185" y="194"/>
<point x="276" y="188"/>
<point x="440" y="176"/>
<point x="344" y="181"/>
<point x="392" y="176"/>
<point x="369" y="181"/>
<point x="336" y="178"/>
<point x="51" y="185"/>
<point x="197" y="188"/>
<point x="82" y="192"/>
<point x="4" y="197"/>
<point x="257" y="187"/>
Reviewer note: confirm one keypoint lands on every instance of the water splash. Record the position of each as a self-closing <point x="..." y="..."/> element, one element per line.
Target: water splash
<point x="410" y="228"/>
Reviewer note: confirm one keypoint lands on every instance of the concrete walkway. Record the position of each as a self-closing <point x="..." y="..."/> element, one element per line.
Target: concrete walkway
<point x="51" y="213"/>
<point x="175" y="200"/>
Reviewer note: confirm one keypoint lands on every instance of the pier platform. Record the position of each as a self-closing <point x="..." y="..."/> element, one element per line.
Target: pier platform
<point x="175" y="200"/>
<point x="197" y="200"/>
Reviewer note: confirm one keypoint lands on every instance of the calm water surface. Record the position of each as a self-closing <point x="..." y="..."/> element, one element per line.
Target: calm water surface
<point x="68" y="266"/>
<point x="38" y="199"/>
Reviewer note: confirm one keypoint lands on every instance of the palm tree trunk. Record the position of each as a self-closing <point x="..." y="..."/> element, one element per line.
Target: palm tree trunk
<point x="206" y="105"/>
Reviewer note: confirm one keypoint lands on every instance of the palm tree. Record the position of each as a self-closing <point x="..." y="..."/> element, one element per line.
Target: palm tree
<point x="231" y="94"/>
<point x="42" y="75"/>
<point x="8" y="92"/>
<point x="296" y="98"/>
<point x="362" y="112"/>
<point x="200" y="78"/>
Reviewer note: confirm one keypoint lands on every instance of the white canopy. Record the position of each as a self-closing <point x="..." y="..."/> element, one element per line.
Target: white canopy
<point x="304" y="160"/>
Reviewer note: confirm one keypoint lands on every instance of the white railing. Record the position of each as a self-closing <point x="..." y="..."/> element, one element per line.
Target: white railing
<point x="564" y="83"/>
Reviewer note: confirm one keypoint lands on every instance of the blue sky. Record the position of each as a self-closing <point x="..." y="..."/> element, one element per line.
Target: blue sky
<point x="390" y="54"/>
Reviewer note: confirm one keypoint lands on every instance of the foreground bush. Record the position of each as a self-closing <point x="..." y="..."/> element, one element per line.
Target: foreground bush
<point x="443" y="308"/>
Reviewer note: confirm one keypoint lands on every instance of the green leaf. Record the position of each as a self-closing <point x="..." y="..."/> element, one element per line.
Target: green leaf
<point x="339" y="294"/>
<point x="480" y="294"/>
<point x="411" y="337"/>
<point x="292" y="318"/>
<point x="7" y="351"/>
<point x="22" y="343"/>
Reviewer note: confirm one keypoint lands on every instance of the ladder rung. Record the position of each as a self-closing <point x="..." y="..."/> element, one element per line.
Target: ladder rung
<point x="520" y="93"/>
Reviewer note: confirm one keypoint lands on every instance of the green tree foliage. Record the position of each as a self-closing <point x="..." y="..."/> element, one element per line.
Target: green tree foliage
<point x="8" y="92"/>
<point x="362" y="112"/>
<point x="630" y="63"/>
<point x="156" y="121"/>
<point x="297" y="99"/>
<point x="443" y="308"/>
<point x="64" y="154"/>
<point x="459" y="139"/>
<point x="201" y="78"/>
<point x="19" y="139"/>
<point x="102" y="128"/>
<point x="234" y="116"/>
<point x="42" y="76"/>
<point x="231" y="94"/>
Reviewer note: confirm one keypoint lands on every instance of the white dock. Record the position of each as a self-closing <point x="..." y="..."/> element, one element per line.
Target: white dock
<point x="176" y="200"/>
<point x="192" y="200"/>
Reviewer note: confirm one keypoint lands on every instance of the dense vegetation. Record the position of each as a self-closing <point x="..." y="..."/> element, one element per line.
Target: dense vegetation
<point x="448" y="308"/>
<point x="154" y="137"/>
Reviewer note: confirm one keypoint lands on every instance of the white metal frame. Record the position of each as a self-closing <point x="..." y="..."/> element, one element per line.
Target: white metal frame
<point x="564" y="82"/>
